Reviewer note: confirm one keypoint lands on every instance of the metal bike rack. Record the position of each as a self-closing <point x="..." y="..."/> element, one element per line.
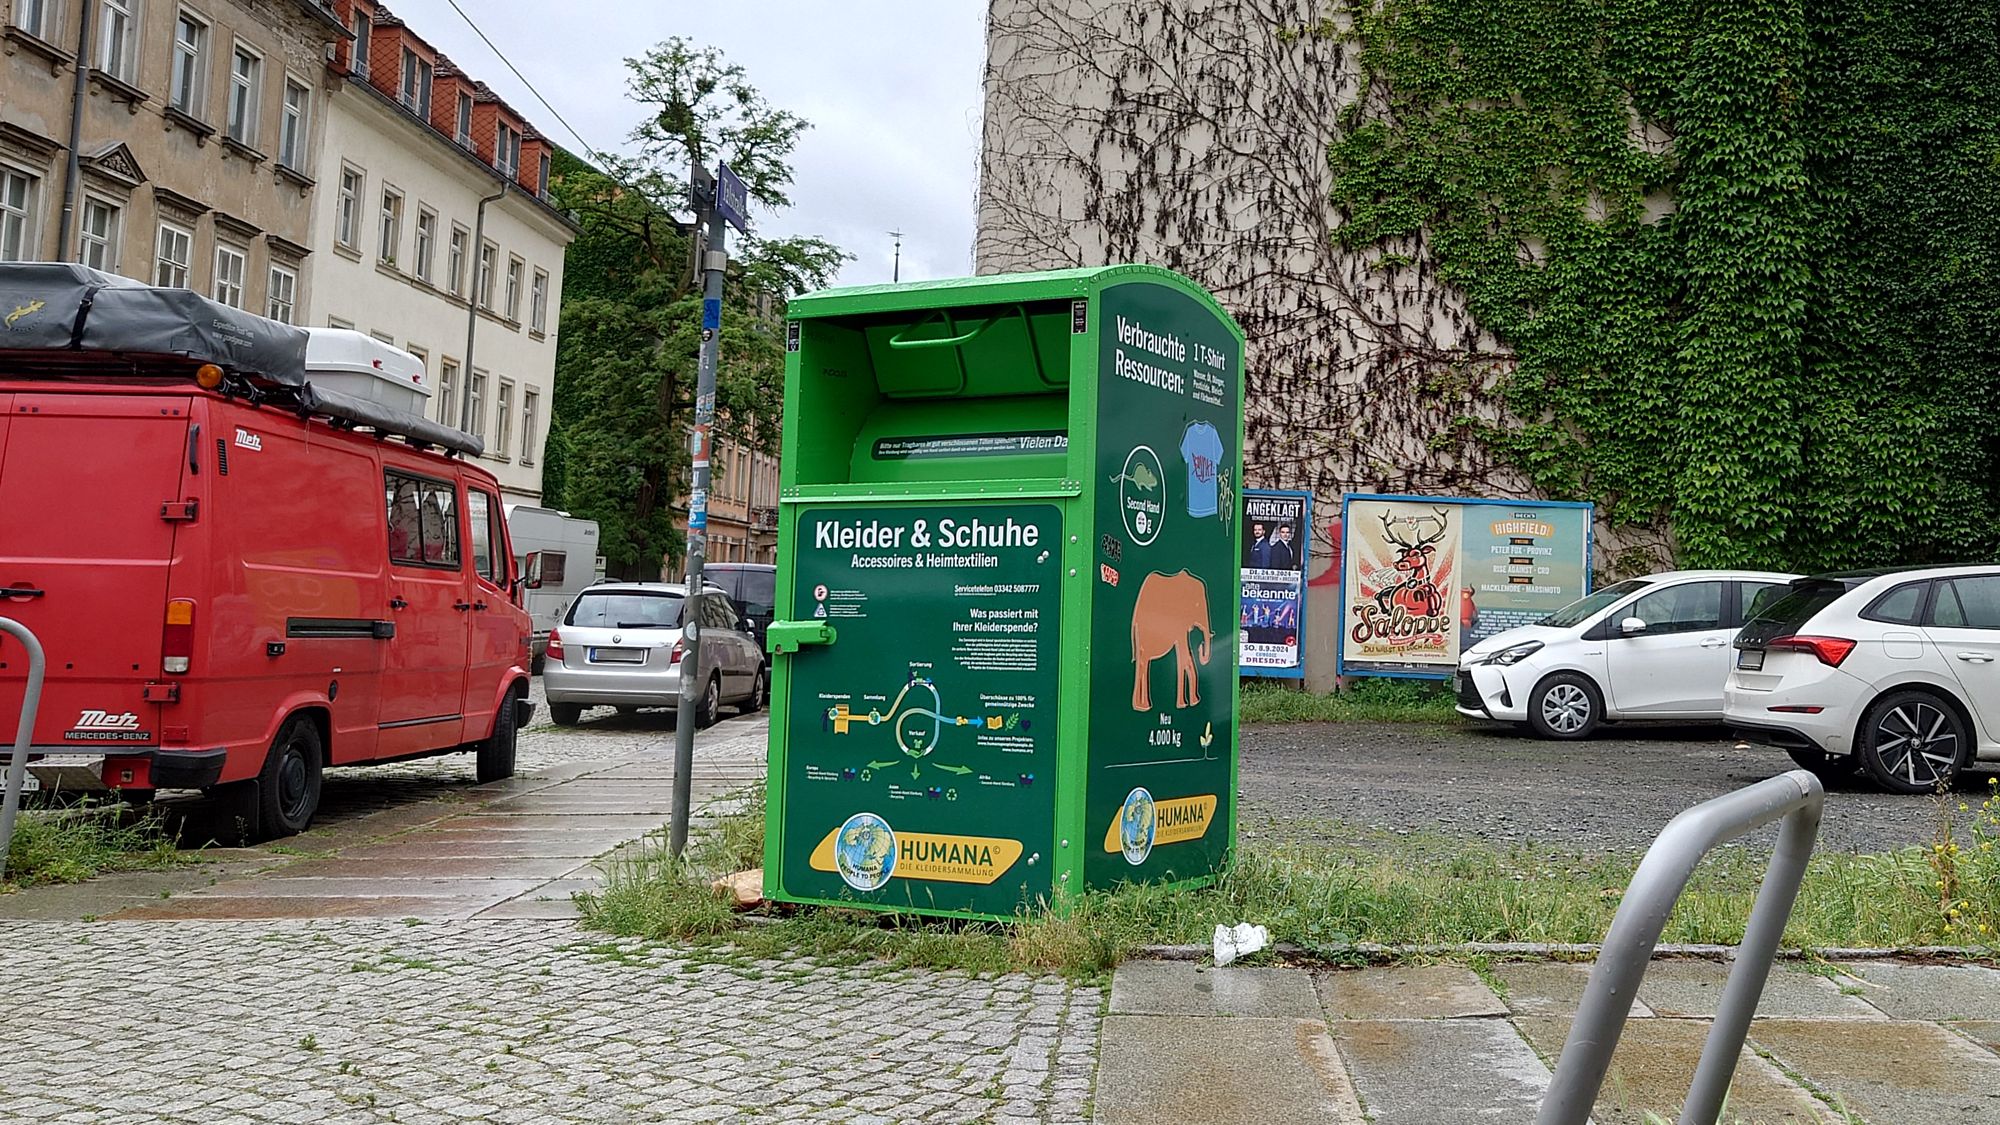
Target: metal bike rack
<point x="17" y="767"/>
<point x="1797" y="798"/>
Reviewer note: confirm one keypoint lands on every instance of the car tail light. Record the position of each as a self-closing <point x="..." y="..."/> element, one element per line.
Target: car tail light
<point x="680" y="650"/>
<point x="1830" y="650"/>
<point x="1798" y="709"/>
<point x="177" y="638"/>
<point x="555" y="651"/>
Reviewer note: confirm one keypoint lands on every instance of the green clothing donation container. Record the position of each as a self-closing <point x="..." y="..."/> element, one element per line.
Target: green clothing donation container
<point x="1004" y="654"/>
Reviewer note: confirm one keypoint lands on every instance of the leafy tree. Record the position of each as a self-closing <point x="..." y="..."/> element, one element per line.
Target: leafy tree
<point x="627" y="359"/>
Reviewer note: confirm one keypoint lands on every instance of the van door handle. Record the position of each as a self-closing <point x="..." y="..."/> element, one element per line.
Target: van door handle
<point x="1976" y="657"/>
<point x="1712" y="643"/>
<point x="479" y="605"/>
<point x="20" y="592"/>
<point x="398" y="603"/>
<point x="461" y="606"/>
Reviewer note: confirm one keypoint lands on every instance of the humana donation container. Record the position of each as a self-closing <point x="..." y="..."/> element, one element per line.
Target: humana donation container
<point x="1004" y="660"/>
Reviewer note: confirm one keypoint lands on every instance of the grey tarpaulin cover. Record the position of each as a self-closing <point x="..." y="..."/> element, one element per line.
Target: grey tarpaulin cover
<point x="61" y="306"/>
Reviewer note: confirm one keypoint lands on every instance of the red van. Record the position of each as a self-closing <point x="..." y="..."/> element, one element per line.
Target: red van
<point x="239" y="577"/>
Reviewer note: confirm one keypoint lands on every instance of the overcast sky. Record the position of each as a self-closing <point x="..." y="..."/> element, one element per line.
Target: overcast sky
<point x="891" y="88"/>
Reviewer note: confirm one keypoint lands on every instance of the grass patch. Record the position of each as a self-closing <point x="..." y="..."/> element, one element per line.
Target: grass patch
<point x="70" y="845"/>
<point x="1328" y="897"/>
<point x="1364" y="701"/>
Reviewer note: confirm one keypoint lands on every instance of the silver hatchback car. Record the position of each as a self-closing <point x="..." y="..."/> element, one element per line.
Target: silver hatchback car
<point x="621" y="644"/>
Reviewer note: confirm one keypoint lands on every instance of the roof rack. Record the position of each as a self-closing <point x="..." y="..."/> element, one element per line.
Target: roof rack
<point x="68" y="320"/>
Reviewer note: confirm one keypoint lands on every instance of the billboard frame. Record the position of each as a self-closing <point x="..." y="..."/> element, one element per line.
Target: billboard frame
<point x="1347" y="499"/>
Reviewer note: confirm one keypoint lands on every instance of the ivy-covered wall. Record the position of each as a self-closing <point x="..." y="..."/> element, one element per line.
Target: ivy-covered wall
<point x="1726" y="268"/>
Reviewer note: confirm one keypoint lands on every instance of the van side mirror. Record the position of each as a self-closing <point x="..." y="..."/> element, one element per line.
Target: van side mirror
<point x="532" y="578"/>
<point x="1632" y="626"/>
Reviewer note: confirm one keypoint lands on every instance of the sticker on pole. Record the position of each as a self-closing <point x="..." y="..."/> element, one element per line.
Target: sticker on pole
<point x="711" y="313"/>
<point x="698" y="508"/>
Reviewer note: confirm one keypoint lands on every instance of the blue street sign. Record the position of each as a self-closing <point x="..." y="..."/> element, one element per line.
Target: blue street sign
<point x="732" y="199"/>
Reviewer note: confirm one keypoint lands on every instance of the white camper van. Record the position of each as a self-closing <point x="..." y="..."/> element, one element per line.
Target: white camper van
<point x="556" y="555"/>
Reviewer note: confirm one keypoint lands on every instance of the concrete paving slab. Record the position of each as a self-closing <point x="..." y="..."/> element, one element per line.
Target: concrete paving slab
<point x="417" y="867"/>
<point x="629" y="823"/>
<point x="1442" y="1072"/>
<point x="1549" y="988"/>
<point x="1654" y="1063"/>
<point x="429" y="845"/>
<point x="1182" y="988"/>
<point x="1221" y="1071"/>
<point x="1693" y="988"/>
<point x="372" y="888"/>
<point x="1929" y="992"/>
<point x="534" y="907"/>
<point x="1890" y="1072"/>
<point x="209" y="907"/>
<point x="1408" y="992"/>
<point x="1984" y="1032"/>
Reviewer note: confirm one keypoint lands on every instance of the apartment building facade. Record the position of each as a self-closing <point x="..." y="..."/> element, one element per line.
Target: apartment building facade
<point x="434" y="232"/>
<point x="199" y="126"/>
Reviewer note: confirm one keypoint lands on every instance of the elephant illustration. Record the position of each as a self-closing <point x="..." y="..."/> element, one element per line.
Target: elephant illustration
<point x="1170" y="606"/>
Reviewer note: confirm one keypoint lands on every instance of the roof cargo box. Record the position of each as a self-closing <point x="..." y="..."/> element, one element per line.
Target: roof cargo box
<point x="358" y="365"/>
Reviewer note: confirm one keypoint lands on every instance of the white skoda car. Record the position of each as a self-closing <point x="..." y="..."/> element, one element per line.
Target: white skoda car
<point x="1647" y="648"/>
<point x="1896" y="673"/>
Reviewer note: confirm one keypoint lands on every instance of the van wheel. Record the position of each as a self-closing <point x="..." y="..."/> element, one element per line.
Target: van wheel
<point x="288" y="788"/>
<point x="565" y="714"/>
<point x="710" y="708"/>
<point x="496" y="754"/>
<point x="1912" y="742"/>
<point x="755" y="702"/>
<point x="1565" y="706"/>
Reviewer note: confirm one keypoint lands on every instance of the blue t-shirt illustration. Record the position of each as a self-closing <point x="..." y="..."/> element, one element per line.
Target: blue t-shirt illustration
<point x="1201" y="448"/>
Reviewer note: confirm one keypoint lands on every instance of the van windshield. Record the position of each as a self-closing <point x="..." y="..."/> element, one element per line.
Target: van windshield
<point x="1583" y="609"/>
<point x="625" y="609"/>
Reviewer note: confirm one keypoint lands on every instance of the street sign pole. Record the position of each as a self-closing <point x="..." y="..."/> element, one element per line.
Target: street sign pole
<point x="714" y="260"/>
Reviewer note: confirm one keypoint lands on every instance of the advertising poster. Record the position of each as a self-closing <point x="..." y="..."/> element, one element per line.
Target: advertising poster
<point x="1276" y="537"/>
<point x="921" y="773"/>
<point x="1158" y="801"/>
<point x="1425" y="578"/>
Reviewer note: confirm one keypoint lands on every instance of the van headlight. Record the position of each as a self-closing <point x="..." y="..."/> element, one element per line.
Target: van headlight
<point x="1514" y="654"/>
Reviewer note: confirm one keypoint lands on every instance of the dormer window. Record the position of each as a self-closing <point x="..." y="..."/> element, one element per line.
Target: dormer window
<point x="417" y="84"/>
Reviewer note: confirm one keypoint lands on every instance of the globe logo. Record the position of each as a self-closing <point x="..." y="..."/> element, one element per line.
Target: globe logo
<point x="1135" y="826"/>
<point x="864" y="851"/>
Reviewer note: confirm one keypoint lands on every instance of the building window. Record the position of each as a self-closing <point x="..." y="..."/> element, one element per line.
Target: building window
<point x="229" y="268"/>
<point x="343" y="325"/>
<point x="476" y="400"/>
<point x="246" y="74"/>
<point x="427" y="233"/>
<point x="98" y="238"/>
<point x="514" y="268"/>
<point x="116" y="31"/>
<point x="385" y="338"/>
<point x="176" y="255"/>
<point x="531" y="407"/>
<point x="454" y="266"/>
<point x="416" y="84"/>
<point x="503" y="418"/>
<point x="363" y="25"/>
<point x="464" y="131"/>
<point x="292" y="134"/>
<point x="542" y="178"/>
<point x="33" y="17"/>
<point x="347" y="210"/>
<point x="284" y="293"/>
<point x="448" y="392"/>
<point x="189" y="77"/>
<point x="489" y="259"/>
<point x="507" y="154"/>
<point x="392" y="225"/>
<point x="538" y="303"/>
<point x="17" y="215"/>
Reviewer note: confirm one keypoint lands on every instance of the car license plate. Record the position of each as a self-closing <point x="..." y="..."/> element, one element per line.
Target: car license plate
<point x="617" y="656"/>
<point x="1750" y="659"/>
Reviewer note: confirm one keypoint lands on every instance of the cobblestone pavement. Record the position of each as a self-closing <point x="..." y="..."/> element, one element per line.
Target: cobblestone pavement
<point x="510" y="1021"/>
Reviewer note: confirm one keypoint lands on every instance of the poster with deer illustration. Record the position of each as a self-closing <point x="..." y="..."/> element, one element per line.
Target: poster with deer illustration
<point x="1425" y="578"/>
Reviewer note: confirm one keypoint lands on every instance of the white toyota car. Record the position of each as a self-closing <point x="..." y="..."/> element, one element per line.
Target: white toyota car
<point x="1654" y="648"/>
<point x="1894" y="672"/>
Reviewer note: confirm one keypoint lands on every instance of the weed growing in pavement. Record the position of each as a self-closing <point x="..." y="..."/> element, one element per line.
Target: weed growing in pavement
<point x="78" y="842"/>
<point x="1325" y="898"/>
<point x="1365" y="701"/>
